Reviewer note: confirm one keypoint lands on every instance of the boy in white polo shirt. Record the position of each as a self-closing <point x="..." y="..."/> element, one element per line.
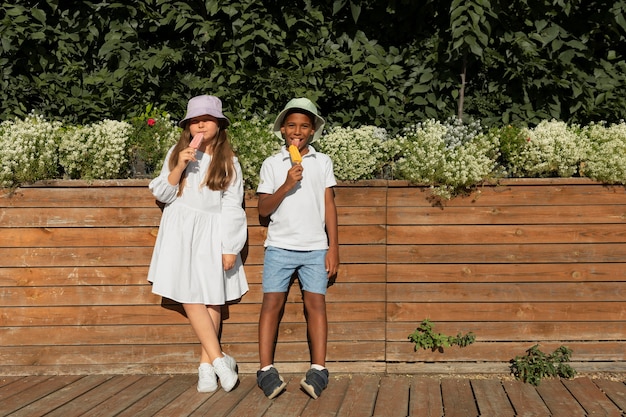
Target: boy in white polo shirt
<point x="298" y="197"/>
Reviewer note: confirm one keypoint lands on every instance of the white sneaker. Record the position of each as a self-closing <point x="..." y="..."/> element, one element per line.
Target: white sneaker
<point x="227" y="375"/>
<point x="231" y="362"/>
<point x="207" y="380"/>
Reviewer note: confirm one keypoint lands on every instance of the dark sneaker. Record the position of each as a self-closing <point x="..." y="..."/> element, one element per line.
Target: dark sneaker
<point x="315" y="382"/>
<point x="270" y="382"/>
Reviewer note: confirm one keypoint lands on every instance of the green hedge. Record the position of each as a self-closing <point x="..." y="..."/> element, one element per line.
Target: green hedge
<point x="364" y="62"/>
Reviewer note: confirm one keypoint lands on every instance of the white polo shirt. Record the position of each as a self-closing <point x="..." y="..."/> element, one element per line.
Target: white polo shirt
<point x="299" y="221"/>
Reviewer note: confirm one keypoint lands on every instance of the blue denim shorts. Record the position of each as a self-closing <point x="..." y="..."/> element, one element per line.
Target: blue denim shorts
<point x="280" y="264"/>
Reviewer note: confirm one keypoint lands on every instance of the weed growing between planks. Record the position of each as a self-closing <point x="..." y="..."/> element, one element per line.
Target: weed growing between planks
<point x="425" y="337"/>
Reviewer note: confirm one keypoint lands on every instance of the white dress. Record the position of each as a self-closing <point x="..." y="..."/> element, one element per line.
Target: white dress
<point x="196" y="229"/>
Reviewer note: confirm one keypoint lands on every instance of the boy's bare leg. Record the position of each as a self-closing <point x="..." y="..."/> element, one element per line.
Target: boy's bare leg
<point x="269" y="319"/>
<point x="317" y="325"/>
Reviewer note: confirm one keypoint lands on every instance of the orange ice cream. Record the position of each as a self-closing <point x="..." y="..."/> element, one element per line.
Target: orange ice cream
<point x="296" y="158"/>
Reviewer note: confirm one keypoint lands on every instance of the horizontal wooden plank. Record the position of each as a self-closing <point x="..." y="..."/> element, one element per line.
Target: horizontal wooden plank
<point x="179" y="353"/>
<point x="496" y="331"/>
<point x="85" y="315"/>
<point x="140" y="256"/>
<point x="86" y="275"/>
<point x="517" y="253"/>
<point x="137" y="275"/>
<point x="168" y="334"/>
<point x="95" y="197"/>
<point x="508" y="234"/>
<point x="517" y="215"/>
<point x="348" y="235"/>
<point x="80" y="217"/>
<point x="509" y="312"/>
<point x="348" y="254"/>
<point x="361" y="215"/>
<point x="515" y="195"/>
<point x="505" y="351"/>
<point x="104" y="295"/>
<point x="361" y="196"/>
<point x="92" y="256"/>
<point x="506" y="292"/>
<point x="38" y="237"/>
<point x="513" y="272"/>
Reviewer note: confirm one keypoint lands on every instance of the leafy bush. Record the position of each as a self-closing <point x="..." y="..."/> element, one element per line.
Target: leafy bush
<point x="28" y="150"/>
<point x="253" y="141"/>
<point x="153" y="133"/>
<point x="536" y="365"/>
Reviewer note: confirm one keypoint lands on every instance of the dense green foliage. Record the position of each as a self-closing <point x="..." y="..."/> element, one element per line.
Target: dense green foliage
<point x="535" y="365"/>
<point x="425" y="337"/>
<point x="374" y="62"/>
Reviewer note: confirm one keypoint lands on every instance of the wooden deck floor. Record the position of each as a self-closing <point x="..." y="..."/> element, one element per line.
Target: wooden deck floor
<point x="347" y="395"/>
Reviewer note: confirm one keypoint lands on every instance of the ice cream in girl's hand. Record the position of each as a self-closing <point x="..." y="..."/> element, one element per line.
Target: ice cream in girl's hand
<point x="196" y="141"/>
<point x="296" y="158"/>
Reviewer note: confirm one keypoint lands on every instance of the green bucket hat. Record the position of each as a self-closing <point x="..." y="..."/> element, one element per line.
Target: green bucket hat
<point x="302" y="104"/>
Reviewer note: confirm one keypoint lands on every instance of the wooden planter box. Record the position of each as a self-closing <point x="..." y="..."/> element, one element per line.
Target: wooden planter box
<point x="521" y="263"/>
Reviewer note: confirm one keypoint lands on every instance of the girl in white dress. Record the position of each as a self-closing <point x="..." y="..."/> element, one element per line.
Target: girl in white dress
<point x="196" y="259"/>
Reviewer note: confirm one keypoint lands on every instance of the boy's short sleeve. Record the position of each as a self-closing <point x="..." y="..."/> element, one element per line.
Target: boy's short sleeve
<point x="266" y="178"/>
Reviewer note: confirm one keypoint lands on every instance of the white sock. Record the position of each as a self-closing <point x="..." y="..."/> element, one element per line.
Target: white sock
<point x="267" y="368"/>
<point x="318" y="367"/>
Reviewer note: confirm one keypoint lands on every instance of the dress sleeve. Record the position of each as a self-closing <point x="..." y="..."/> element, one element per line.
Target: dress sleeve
<point x="160" y="186"/>
<point x="234" y="222"/>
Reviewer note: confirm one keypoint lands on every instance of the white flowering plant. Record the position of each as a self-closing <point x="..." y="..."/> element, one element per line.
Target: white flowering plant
<point x="551" y="149"/>
<point x="357" y="153"/>
<point x="452" y="156"/>
<point x="253" y="141"/>
<point x="95" y="151"/>
<point x="28" y="150"/>
<point x="607" y="156"/>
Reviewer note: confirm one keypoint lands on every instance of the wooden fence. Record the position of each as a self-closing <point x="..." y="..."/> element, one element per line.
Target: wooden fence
<point x="522" y="263"/>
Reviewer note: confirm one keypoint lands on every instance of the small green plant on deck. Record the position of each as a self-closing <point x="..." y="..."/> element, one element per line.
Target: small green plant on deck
<point x="536" y="364"/>
<point x="425" y="337"/>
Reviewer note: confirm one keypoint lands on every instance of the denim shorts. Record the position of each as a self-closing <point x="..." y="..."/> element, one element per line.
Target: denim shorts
<point x="280" y="264"/>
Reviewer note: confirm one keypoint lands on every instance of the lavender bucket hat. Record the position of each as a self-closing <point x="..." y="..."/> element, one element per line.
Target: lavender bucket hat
<point x="205" y="104"/>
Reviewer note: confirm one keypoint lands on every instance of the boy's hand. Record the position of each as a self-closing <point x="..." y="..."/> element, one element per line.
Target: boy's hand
<point x="294" y="175"/>
<point x="332" y="261"/>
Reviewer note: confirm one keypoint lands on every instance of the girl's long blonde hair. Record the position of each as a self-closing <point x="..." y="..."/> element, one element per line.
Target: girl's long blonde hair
<point x="221" y="170"/>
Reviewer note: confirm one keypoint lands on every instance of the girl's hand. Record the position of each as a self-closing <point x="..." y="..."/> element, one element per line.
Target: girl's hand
<point x="228" y="260"/>
<point x="186" y="156"/>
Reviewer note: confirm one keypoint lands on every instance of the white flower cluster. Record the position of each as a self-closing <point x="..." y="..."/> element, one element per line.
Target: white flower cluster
<point x="356" y="153"/>
<point x="426" y="157"/>
<point x="95" y="151"/>
<point x="253" y="141"/>
<point x="459" y="133"/>
<point x="552" y="149"/>
<point x="28" y="150"/>
<point x="607" y="159"/>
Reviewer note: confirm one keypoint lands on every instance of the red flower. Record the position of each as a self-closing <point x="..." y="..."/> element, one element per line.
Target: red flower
<point x="151" y="122"/>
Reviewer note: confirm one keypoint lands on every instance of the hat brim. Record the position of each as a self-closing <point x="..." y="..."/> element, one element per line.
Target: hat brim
<point x="319" y="123"/>
<point x="222" y="118"/>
